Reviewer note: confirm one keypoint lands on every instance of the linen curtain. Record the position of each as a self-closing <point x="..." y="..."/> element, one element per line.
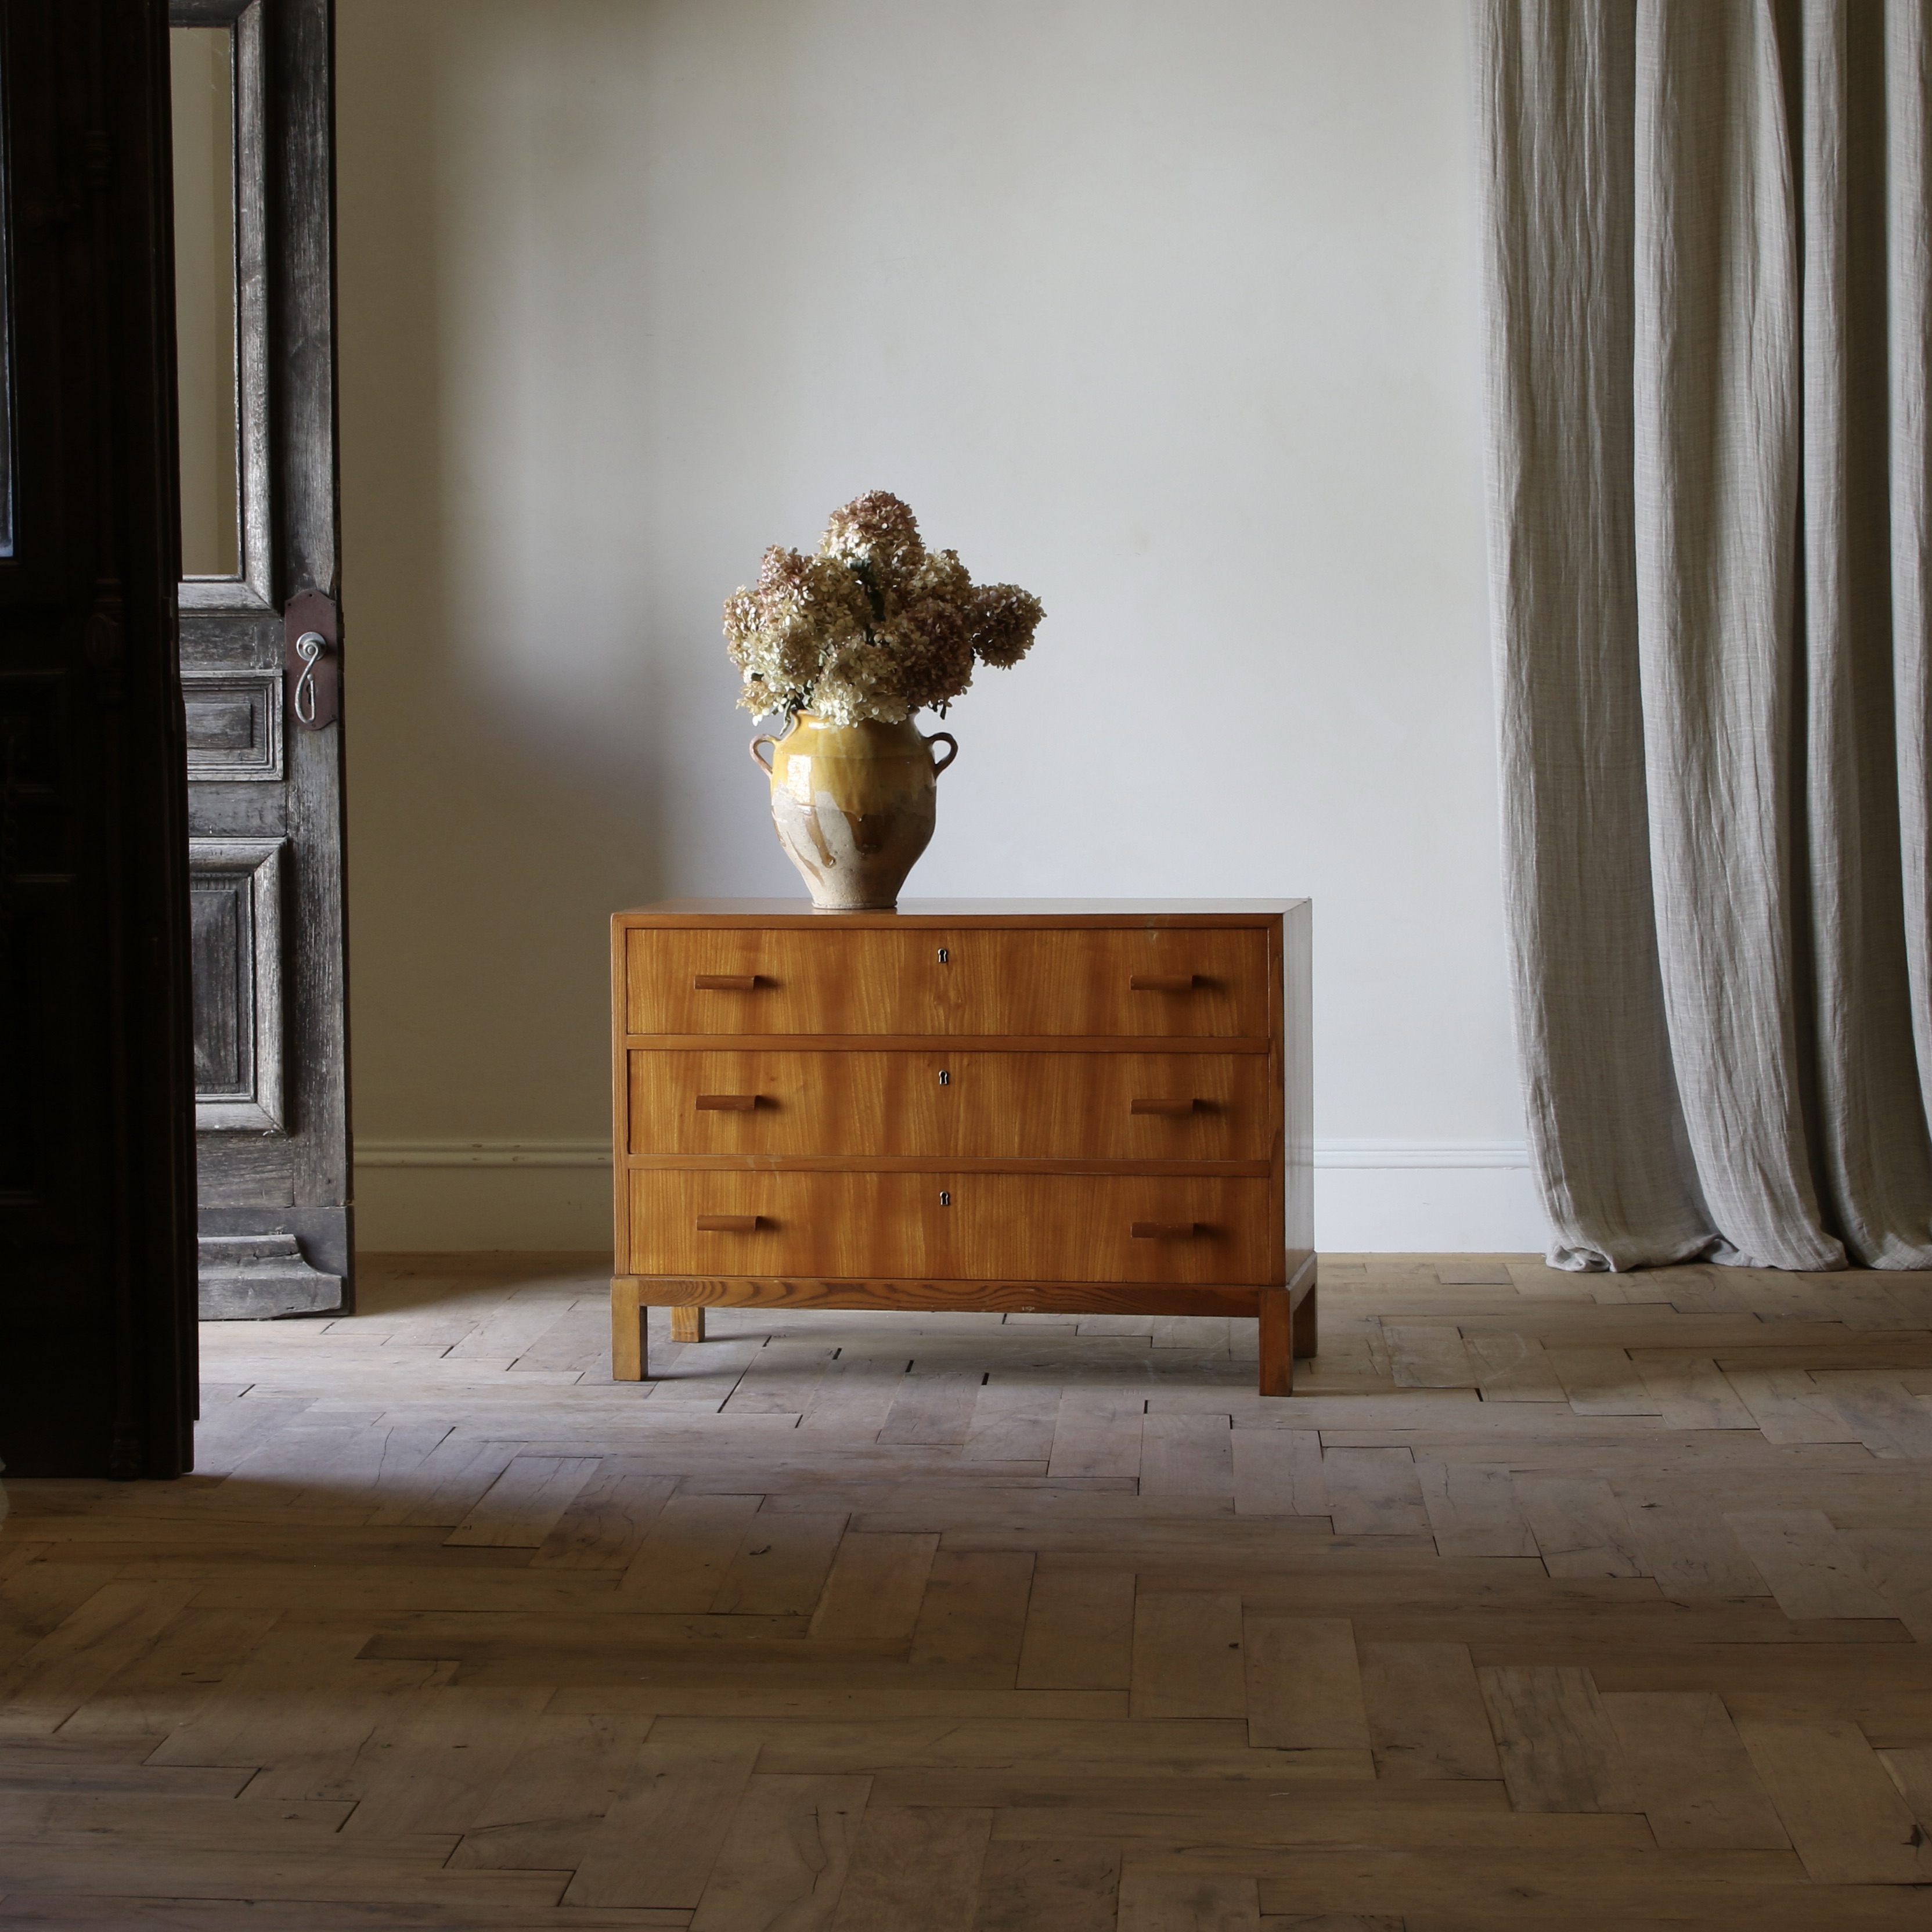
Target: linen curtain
<point x="1711" y="531"/>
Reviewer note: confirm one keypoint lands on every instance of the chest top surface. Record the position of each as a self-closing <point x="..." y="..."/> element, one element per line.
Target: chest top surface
<point x="936" y="912"/>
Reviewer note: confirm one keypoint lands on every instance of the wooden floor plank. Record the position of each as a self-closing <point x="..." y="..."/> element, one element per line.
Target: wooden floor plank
<point x="604" y="1523"/>
<point x="1473" y="1511"/>
<point x="523" y="1506"/>
<point x="1279" y="1472"/>
<point x="297" y="1713"/>
<point x="116" y="1625"/>
<point x="1788" y="1405"/>
<point x="658" y="1842"/>
<point x="1303" y="1683"/>
<point x="1187" y="1656"/>
<point x="1375" y="1492"/>
<point x="448" y="1482"/>
<point x="1513" y="1368"/>
<point x="877" y="1585"/>
<point x="1558" y="1749"/>
<point x="1810" y="1569"/>
<point x="1679" y="1537"/>
<point x="1163" y="1901"/>
<point x="851" y="1399"/>
<point x="1844" y="1814"/>
<point x="913" y="1867"/>
<point x="973" y="1612"/>
<point x="1429" y="1357"/>
<point x="930" y="1408"/>
<point x="1602" y="1381"/>
<point x="1889" y="1421"/>
<point x="1693" y="1392"/>
<point x="1426" y="1712"/>
<point x="687" y="1553"/>
<point x="1911" y="1770"/>
<point x="165" y="1687"/>
<point x="785" y="1859"/>
<point x="1013" y="1422"/>
<point x="431" y="1767"/>
<point x="566" y="1772"/>
<point x="1186" y="1456"/>
<point x="1047" y="1885"/>
<point x="1689" y="1772"/>
<point x="1579" y="1526"/>
<point x="1097" y="1435"/>
<point x="1079" y="1633"/>
<point x="781" y="1565"/>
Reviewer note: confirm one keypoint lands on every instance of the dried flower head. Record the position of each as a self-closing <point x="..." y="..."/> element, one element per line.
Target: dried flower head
<point x="779" y="631"/>
<point x="933" y="649"/>
<point x="1003" y="618"/>
<point x="859" y="680"/>
<point x="875" y="529"/>
<point x="875" y="626"/>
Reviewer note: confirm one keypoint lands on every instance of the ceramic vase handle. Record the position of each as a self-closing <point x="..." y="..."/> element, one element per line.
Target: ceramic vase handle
<point x="762" y="738"/>
<point x="933" y="738"/>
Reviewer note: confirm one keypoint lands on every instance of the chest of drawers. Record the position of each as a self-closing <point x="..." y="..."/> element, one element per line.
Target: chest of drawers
<point x="1067" y="1105"/>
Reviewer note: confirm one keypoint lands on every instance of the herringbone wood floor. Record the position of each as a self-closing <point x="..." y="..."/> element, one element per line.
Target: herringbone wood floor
<point x="1551" y="1601"/>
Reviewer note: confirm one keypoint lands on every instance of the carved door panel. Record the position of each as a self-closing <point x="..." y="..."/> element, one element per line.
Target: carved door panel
<point x="253" y="160"/>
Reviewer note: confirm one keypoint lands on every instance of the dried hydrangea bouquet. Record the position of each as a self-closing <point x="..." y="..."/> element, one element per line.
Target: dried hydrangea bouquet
<point x="845" y="646"/>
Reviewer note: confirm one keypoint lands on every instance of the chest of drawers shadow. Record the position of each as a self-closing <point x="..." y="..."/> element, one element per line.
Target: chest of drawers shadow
<point x="1030" y="1105"/>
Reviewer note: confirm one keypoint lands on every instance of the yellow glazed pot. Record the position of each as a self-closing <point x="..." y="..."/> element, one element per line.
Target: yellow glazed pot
<point x="854" y="805"/>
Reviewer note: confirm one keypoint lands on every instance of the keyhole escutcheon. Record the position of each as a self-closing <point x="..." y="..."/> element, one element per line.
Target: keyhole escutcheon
<point x="945" y="1199"/>
<point x="945" y="1078"/>
<point x="943" y="955"/>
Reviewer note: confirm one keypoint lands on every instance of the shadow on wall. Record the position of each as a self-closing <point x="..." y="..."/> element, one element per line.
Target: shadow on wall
<point x="508" y="724"/>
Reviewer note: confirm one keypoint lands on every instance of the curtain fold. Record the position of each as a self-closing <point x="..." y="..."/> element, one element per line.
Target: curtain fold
<point x="1707" y="346"/>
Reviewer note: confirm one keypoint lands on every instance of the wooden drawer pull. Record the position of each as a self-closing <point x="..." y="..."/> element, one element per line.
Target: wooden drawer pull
<point x="1165" y="1231"/>
<point x="727" y="1103"/>
<point x="725" y="982"/>
<point x="1162" y="1106"/>
<point x="1162" y="983"/>
<point x="727" y="1224"/>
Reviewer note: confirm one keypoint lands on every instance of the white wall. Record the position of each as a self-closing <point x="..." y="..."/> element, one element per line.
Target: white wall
<point x="1165" y="309"/>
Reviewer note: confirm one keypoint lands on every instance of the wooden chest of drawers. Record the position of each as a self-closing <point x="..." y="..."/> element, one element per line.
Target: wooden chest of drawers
<point x="1066" y="1105"/>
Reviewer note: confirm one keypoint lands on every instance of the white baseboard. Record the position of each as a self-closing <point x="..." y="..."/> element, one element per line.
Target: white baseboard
<point x="371" y="1153"/>
<point x="1453" y="1198"/>
<point x="1372" y="1197"/>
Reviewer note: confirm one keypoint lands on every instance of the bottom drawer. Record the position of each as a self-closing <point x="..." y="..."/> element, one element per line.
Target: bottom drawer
<point x="966" y="1227"/>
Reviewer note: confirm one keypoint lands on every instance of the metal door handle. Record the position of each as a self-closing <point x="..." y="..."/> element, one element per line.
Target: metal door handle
<point x="311" y="634"/>
<point x="309" y="647"/>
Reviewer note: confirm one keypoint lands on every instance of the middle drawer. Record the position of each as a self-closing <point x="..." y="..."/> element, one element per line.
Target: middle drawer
<point x="1095" y="1106"/>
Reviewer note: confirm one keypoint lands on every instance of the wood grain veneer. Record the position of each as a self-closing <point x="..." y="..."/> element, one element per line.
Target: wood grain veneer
<point x="1120" y="1106"/>
<point x="960" y="1227"/>
<point x="1081" y="1104"/>
<point x="949" y="979"/>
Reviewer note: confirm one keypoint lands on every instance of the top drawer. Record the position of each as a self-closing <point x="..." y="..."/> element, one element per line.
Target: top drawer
<point x="1179" y="983"/>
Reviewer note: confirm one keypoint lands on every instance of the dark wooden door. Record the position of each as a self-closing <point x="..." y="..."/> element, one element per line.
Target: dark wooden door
<point x="260" y="649"/>
<point x="96" y="1230"/>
